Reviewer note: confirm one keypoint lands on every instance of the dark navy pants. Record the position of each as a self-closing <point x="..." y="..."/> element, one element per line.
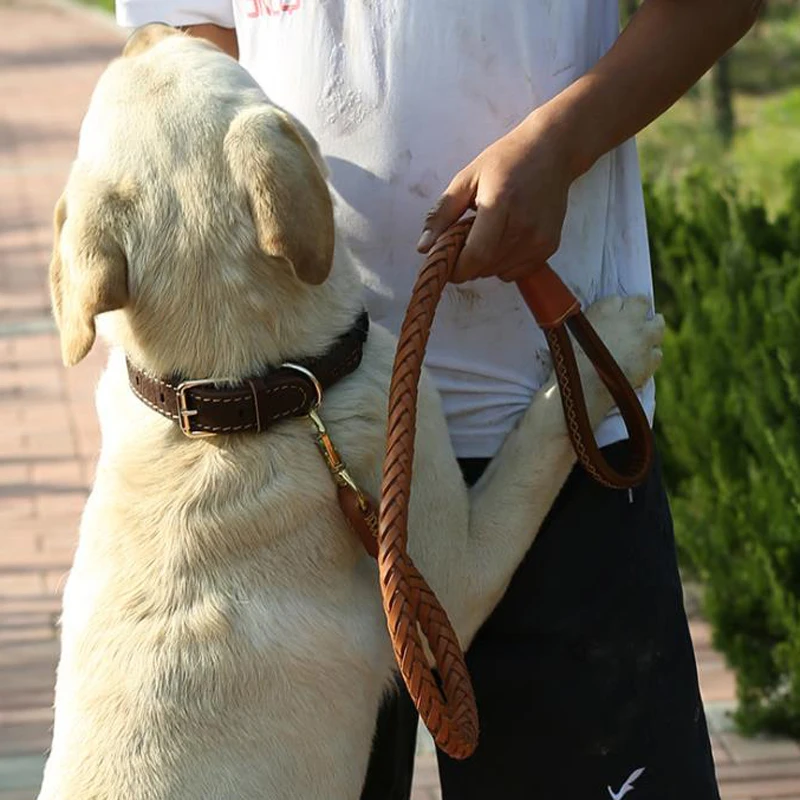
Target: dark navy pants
<point x="584" y="674"/>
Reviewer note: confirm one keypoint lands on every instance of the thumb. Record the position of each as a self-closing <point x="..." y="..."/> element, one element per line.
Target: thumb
<point x="457" y="198"/>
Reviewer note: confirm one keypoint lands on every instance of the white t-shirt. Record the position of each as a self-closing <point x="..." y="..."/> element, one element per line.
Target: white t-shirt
<point x="402" y="94"/>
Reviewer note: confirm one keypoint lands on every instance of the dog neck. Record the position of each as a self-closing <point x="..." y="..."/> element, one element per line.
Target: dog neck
<point x="230" y="328"/>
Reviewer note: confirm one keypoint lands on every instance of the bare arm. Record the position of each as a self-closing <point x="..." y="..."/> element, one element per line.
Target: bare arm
<point x="519" y="184"/>
<point x="224" y="38"/>
<point x="667" y="46"/>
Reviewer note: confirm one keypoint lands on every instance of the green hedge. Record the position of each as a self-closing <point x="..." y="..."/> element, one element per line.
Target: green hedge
<point x="728" y="282"/>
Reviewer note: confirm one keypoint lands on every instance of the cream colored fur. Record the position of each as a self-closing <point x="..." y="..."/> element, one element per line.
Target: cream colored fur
<point x="222" y="634"/>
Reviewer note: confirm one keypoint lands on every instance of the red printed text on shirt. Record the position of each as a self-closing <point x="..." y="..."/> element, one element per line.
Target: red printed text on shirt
<point x="270" y="8"/>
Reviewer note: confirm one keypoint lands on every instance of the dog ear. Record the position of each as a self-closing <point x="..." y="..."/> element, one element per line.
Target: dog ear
<point x="288" y="196"/>
<point x="88" y="275"/>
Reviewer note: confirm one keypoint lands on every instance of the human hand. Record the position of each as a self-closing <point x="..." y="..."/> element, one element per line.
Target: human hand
<point x="519" y="187"/>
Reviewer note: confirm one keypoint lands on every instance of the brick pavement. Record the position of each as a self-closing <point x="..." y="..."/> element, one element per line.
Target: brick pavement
<point x="50" y="57"/>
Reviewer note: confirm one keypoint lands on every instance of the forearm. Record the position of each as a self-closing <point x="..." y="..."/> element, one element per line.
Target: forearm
<point x="224" y="38"/>
<point x="664" y="50"/>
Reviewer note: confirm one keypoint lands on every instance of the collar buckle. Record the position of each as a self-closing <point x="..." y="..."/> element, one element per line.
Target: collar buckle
<point x="185" y="413"/>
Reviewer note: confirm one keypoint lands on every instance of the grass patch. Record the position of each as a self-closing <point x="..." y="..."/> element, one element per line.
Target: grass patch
<point x="108" y="5"/>
<point x="766" y="143"/>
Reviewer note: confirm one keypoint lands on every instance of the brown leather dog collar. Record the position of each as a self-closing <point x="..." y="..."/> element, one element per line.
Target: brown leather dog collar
<point x="204" y="408"/>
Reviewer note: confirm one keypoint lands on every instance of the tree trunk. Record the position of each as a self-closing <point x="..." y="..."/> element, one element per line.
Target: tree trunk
<point x="724" y="118"/>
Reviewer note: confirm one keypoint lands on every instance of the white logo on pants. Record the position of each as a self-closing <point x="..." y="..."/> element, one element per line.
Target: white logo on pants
<point x="627" y="786"/>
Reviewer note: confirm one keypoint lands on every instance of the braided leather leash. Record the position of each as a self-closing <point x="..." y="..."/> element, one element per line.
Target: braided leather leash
<point x="448" y="708"/>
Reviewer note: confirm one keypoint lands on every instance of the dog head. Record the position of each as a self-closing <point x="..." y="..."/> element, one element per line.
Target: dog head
<point x="193" y="204"/>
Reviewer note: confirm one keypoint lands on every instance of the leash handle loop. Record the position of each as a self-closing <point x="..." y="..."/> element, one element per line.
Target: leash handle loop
<point x="554" y="306"/>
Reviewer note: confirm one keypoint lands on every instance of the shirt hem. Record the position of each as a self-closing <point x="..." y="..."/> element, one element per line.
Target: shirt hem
<point x="611" y="430"/>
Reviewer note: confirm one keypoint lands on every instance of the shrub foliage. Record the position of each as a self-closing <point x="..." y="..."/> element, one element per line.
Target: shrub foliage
<point x="728" y="282"/>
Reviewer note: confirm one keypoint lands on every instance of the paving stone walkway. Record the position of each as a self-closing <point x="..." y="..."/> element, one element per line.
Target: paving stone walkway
<point x="50" y="57"/>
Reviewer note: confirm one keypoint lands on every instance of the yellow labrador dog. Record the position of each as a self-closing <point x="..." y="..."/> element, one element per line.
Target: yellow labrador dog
<point x="222" y="632"/>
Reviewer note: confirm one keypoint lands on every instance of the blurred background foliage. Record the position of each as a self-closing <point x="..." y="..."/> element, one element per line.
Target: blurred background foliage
<point x="722" y="187"/>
